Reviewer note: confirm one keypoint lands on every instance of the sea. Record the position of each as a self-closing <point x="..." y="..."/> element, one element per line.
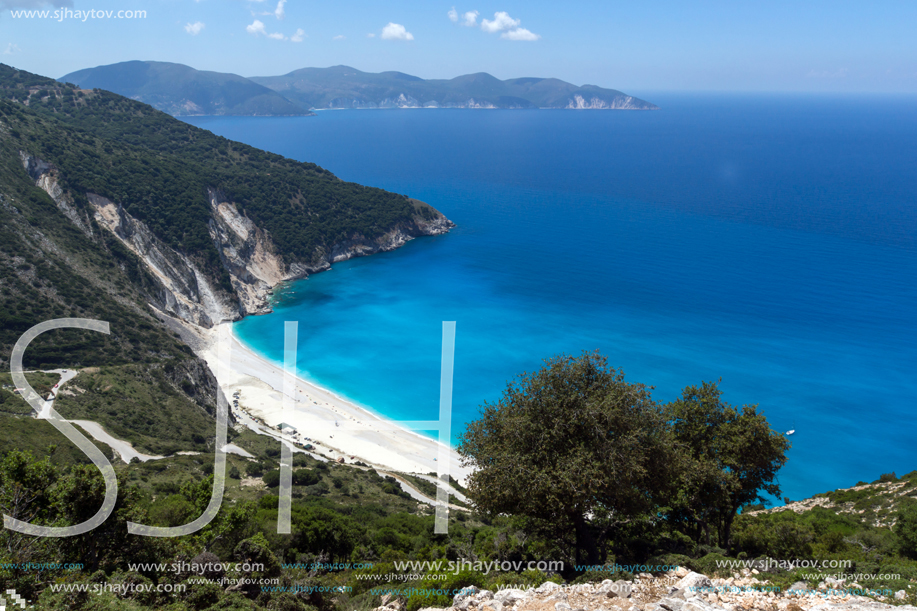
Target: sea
<point x="768" y="242"/>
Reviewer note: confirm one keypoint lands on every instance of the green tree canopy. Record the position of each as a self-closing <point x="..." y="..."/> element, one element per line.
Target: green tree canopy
<point x="730" y="459"/>
<point x="573" y="446"/>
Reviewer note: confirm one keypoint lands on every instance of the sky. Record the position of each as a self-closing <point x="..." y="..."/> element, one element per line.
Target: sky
<point x="634" y="46"/>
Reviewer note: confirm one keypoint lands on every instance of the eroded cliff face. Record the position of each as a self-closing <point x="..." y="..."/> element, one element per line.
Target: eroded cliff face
<point x="184" y="291"/>
<point x="578" y="102"/>
<point x="248" y="253"/>
<point x="45" y="176"/>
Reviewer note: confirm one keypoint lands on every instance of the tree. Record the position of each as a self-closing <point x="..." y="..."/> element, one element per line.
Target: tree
<point x="574" y="447"/>
<point x="729" y="457"/>
<point x="906" y="530"/>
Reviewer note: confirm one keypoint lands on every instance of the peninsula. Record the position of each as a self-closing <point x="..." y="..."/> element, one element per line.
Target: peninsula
<point x="181" y="90"/>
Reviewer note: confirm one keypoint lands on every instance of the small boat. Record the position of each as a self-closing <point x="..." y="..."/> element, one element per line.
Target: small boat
<point x="790" y="432"/>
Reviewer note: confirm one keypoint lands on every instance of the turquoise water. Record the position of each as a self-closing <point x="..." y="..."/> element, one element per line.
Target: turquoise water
<point x="767" y="241"/>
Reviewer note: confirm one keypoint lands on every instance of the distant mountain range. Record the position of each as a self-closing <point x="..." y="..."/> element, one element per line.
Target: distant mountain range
<point x="181" y="90"/>
<point x="345" y="87"/>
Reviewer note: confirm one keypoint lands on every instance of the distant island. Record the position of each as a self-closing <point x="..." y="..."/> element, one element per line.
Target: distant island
<point x="183" y="91"/>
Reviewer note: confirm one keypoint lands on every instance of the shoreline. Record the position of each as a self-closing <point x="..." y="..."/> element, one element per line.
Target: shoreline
<point x="338" y="428"/>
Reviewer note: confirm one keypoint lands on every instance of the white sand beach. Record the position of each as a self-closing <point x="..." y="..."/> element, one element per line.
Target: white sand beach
<point x="337" y="427"/>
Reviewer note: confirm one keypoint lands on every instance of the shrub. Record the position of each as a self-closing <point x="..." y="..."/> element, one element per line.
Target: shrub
<point x="906" y="530"/>
<point x="272" y="479"/>
<point x="305" y="477"/>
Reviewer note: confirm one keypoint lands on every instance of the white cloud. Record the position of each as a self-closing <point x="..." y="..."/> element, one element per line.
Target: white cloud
<point x="12" y="49"/>
<point x="276" y="36"/>
<point x="502" y="21"/>
<point x="520" y="34"/>
<point x="339" y="37"/>
<point x="469" y="18"/>
<point x="279" y="12"/>
<point x="370" y="35"/>
<point x="396" y="31"/>
<point x="194" y="28"/>
<point x="256" y="27"/>
<point x="299" y="35"/>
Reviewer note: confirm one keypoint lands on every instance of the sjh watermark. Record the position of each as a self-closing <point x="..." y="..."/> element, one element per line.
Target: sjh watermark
<point x="12" y="599"/>
<point x="68" y="14"/>
<point x="46" y="411"/>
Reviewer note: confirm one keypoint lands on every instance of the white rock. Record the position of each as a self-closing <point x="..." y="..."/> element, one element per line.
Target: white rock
<point x="693" y="580"/>
<point x="619" y="589"/>
<point x="508" y="597"/>
<point x="549" y="586"/>
<point x="562" y="606"/>
<point x="900" y="595"/>
<point x="672" y="604"/>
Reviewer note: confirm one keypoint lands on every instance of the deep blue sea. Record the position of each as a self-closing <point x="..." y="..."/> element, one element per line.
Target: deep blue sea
<point x="770" y="241"/>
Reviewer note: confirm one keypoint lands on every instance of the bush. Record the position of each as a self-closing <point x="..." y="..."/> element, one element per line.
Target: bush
<point x="305" y="477"/>
<point x="906" y="530"/>
<point x="710" y="565"/>
<point x="254" y="469"/>
<point x="272" y="479"/>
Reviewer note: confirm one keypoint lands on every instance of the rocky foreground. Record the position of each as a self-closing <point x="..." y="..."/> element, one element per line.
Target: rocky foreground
<point x="679" y="590"/>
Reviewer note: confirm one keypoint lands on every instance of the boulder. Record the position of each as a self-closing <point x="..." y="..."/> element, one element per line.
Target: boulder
<point x="692" y="581"/>
<point x="900" y="595"/>
<point x="680" y="593"/>
<point x="672" y="604"/>
<point x="549" y="586"/>
<point x="562" y="606"/>
<point x="619" y="589"/>
<point x="464" y="598"/>
<point x="508" y="597"/>
<point x="800" y="587"/>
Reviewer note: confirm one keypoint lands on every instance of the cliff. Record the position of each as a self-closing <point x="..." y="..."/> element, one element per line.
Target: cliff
<point x="204" y="227"/>
<point x="247" y="252"/>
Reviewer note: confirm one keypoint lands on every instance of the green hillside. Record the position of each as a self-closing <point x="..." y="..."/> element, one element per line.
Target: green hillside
<point x="160" y="169"/>
<point x="346" y="87"/>
<point x="57" y="261"/>
<point x="181" y="90"/>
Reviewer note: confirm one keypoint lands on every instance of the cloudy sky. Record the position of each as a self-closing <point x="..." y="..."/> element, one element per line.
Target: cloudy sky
<point x="638" y="45"/>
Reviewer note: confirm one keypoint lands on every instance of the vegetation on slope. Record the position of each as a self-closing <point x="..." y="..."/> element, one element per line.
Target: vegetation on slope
<point x="182" y="90"/>
<point x="346" y="87"/>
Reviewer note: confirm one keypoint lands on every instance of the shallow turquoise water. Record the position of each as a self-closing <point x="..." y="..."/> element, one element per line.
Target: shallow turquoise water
<point x="767" y="241"/>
